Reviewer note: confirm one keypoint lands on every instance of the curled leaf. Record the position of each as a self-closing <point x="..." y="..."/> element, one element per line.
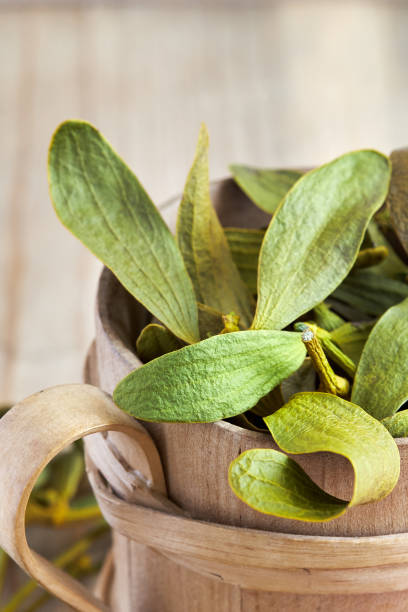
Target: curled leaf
<point x="100" y="200"/>
<point x="211" y="380"/>
<point x="273" y="483"/>
<point x="315" y="235"/>
<point x="266" y="188"/>
<point x="381" y="384"/>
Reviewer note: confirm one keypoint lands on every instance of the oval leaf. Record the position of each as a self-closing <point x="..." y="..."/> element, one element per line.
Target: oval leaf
<point x="315" y="235"/>
<point x="211" y="380"/>
<point x="273" y="483"/>
<point x="381" y="382"/>
<point x="204" y="246"/>
<point x="265" y="187"/>
<point x="101" y="201"/>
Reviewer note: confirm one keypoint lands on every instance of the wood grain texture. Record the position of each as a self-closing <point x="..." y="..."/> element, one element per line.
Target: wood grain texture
<point x="33" y="433"/>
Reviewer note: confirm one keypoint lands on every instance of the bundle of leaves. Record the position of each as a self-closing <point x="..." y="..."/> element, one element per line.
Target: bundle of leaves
<point x="299" y="328"/>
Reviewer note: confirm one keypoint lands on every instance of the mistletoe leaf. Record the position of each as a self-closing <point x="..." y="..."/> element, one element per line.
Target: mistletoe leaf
<point x="273" y="483"/>
<point x="214" y="379"/>
<point x="265" y="187"/>
<point x="397" y="424"/>
<point x="204" y="246"/>
<point x="315" y="235"/>
<point x="351" y="338"/>
<point x="381" y="384"/>
<point x="370" y="293"/>
<point x="245" y="245"/>
<point x="100" y="200"/>
<point x="155" y="340"/>
<point x="392" y="266"/>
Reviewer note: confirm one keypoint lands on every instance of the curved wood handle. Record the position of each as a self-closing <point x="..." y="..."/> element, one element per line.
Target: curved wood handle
<point x="31" y="434"/>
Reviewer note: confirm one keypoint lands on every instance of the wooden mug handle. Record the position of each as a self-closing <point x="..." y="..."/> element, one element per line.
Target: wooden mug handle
<point x="31" y="434"/>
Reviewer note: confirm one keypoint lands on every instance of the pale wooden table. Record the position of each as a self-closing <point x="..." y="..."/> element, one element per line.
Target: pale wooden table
<point x="293" y="83"/>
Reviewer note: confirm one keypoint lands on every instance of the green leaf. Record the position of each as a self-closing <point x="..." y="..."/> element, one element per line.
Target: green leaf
<point x="381" y="382"/>
<point x="397" y="424"/>
<point x="273" y="483"/>
<point x="101" y="201"/>
<point x="245" y="245"/>
<point x="204" y="246"/>
<point x="351" y="338"/>
<point x="155" y="340"/>
<point x="326" y="318"/>
<point x="397" y="201"/>
<point x="315" y="235"/>
<point x="265" y="187"/>
<point x="214" y="379"/>
<point x="392" y="266"/>
<point x="370" y="293"/>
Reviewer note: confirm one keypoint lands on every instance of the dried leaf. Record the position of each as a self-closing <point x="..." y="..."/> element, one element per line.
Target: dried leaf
<point x="315" y="235"/>
<point x="101" y="201"/>
<point x="273" y="483"/>
<point x="381" y="382"/>
<point x="211" y="380"/>
<point x="245" y="245"/>
<point x="265" y="187"/>
<point x="205" y="250"/>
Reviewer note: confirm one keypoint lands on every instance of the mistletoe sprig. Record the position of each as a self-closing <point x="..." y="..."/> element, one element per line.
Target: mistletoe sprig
<point x="221" y="343"/>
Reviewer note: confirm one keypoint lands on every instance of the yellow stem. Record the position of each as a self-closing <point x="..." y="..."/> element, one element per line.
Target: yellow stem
<point x="329" y="381"/>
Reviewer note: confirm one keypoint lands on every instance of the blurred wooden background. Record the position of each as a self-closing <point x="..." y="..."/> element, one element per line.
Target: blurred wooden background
<point x="277" y="83"/>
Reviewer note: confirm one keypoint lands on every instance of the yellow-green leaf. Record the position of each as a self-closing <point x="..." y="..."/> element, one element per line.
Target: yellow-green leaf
<point x="381" y="382"/>
<point x="101" y="201"/>
<point x="351" y="338"/>
<point x="392" y="266"/>
<point x="155" y="340"/>
<point x="315" y="235"/>
<point x="245" y="245"/>
<point x="397" y="424"/>
<point x="204" y="246"/>
<point x="273" y="483"/>
<point x="263" y="186"/>
<point x="214" y="379"/>
<point x="370" y="293"/>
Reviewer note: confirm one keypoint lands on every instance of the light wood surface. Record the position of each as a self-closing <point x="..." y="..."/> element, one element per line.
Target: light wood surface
<point x="278" y="83"/>
<point x="34" y="432"/>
